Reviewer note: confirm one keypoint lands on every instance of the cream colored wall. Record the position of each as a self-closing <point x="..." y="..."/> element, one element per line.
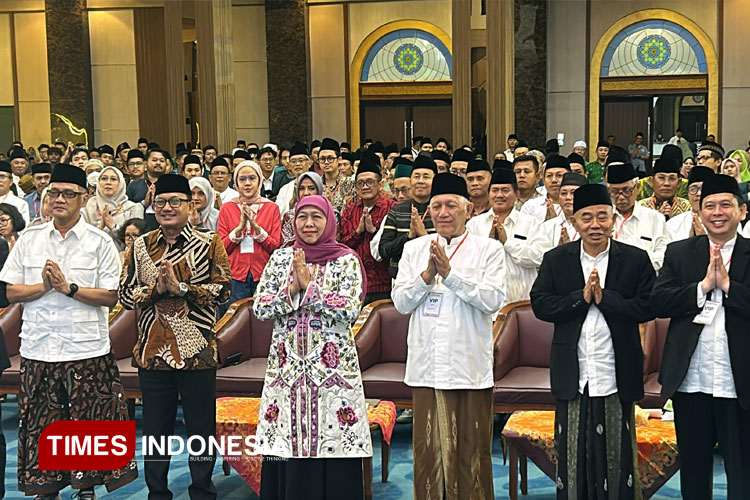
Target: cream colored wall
<point x="6" y="63"/>
<point x="250" y="72"/>
<point x="566" y="74"/>
<point x="328" y="72"/>
<point x="113" y="77"/>
<point x="604" y="13"/>
<point x="364" y="18"/>
<point x="33" y="82"/>
<point x="735" y="82"/>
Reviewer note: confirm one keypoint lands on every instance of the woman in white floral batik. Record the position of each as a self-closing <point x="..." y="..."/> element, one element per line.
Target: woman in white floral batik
<point x="312" y="427"/>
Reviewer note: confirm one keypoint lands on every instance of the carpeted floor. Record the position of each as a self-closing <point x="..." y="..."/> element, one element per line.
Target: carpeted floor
<point x="398" y="487"/>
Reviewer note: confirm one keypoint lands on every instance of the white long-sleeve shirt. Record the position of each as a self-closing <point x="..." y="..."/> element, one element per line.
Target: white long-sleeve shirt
<point x="19" y="203"/>
<point x="679" y="226"/>
<point x="552" y="230"/>
<point x="710" y="369"/>
<point x="537" y="208"/>
<point x="643" y="228"/>
<point x="450" y="346"/>
<point x="596" y="352"/>
<point x="524" y="249"/>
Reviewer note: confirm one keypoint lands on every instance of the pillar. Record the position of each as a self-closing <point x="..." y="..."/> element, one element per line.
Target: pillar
<point x="69" y="69"/>
<point x="215" y="74"/>
<point x="288" y="80"/>
<point x="461" y="32"/>
<point x="174" y="82"/>
<point x="500" y="75"/>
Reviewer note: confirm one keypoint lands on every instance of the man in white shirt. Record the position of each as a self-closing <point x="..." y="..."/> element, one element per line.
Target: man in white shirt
<point x="635" y="224"/>
<point x="451" y="300"/>
<point x="688" y="224"/>
<point x="546" y="208"/>
<point x="704" y="288"/>
<point x="220" y="177"/>
<point x="519" y="233"/>
<point x="66" y="273"/>
<point x="267" y="162"/>
<point x="7" y="196"/>
<point x="300" y="162"/>
<point x="596" y="292"/>
<point x="560" y="230"/>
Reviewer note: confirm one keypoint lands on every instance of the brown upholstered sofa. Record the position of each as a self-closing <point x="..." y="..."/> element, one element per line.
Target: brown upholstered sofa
<point x="380" y="334"/>
<point x="10" y="322"/>
<point x="243" y="343"/>
<point x="653" y="347"/>
<point x="522" y="351"/>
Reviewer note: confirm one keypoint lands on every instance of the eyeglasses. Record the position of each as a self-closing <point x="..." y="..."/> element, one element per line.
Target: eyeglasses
<point x="66" y="193"/>
<point x="404" y="191"/>
<point x="246" y="178"/>
<point x="135" y="164"/>
<point x="695" y="189"/>
<point x="4" y="221"/>
<point x="267" y="160"/>
<point x="219" y="173"/>
<point x="626" y="192"/>
<point x="327" y="159"/>
<point x="4" y="177"/>
<point x="365" y="182"/>
<point x="131" y="236"/>
<point x="174" y="202"/>
<point x="298" y="161"/>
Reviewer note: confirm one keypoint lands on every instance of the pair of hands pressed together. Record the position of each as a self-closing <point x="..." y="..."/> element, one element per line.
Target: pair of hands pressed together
<point x="247" y="216"/>
<point x="437" y="264"/>
<point x="416" y="225"/>
<point x="716" y="274"/>
<point x="300" y="272"/>
<point x="592" y="290"/>
<point x="53" y="277"/>
<point x="365" y="223"/>
<point x="551" y="213"/>
<point x="106" y="220"/>
<point x="167" y="280"/>
<point x="498" y="230"/>
<point x="697" y="226"/>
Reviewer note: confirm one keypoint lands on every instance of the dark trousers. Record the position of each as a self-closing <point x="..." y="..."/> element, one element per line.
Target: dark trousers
<point x="196" y="390"/>
<point x="373" y="296"/>
<point x="240" y="290"/>
<point x="2" y="455"/>
<point x="701" y="421"/>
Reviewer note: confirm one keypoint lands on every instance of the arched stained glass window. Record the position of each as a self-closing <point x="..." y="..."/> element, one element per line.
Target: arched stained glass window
<point x="653" y="47"/>
<point x="407" y="55"/>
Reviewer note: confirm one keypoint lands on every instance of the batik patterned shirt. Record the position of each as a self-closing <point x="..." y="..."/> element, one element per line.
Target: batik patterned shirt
<point x="313" y="403"/>
<point x="176" y="332"/>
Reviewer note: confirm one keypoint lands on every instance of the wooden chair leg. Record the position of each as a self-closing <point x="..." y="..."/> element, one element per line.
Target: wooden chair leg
<point x="367" y="467"/>
<point x="385" y="451"/>
<point x="225" y="467"/>
<point x="513" y="473"/>
<point x="524" y="478"/>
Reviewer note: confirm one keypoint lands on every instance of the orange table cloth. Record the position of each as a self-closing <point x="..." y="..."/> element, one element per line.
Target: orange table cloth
<point x="532" y="433"/>
<point x="239" y="417"/>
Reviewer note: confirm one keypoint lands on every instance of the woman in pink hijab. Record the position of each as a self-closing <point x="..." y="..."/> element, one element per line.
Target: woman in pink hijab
<point x="250" y="228"/>
<point x="312" y="428"/>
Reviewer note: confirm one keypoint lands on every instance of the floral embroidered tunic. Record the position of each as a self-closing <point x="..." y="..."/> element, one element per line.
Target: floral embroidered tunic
<point x="313" y="403"/>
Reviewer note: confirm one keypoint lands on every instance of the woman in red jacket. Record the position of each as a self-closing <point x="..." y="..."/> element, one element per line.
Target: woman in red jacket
<point x="250" y="228"/>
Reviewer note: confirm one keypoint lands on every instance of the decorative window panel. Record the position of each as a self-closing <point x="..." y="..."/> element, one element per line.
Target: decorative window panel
<point x="405" y="56"/>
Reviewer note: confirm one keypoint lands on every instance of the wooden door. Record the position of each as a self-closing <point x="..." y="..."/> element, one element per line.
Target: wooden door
<point x="624" y="118"/>
<point x="433" y="121"/>
<point x="384" y="123"/>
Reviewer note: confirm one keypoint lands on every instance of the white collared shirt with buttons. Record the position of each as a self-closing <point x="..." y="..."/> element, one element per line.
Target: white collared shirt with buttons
<point x="552" y="230"/>
<point x="537" y="208"/>
<point x="646" y="229"/>
<point x="56" y="327"/>
<point x="679" y="226"/>
<point x="451" y="349"/>
<point x="710" y="370"/>
<point x="524" y="249"/>
<point x="596" y="353"/>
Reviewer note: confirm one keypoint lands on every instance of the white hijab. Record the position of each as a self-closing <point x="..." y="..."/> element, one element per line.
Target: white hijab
<point x="209" y="215"/>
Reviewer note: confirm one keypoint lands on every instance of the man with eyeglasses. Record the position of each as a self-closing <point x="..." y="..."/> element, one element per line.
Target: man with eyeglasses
<point x="545" y="208"/>
<point x="460" y="162"/>
<point x="338" y="189"/>
<point x="665" y="179"/>
<point x="299" y="162"/>
<point x="40" y="176"/>
<point x="66" y="274"/>
<point x="267" y="162"/>
<point x="360" y="222"/>
<point x="710" y="154"/>
<point x="401" y="192"/>
<point x="220" y="177"/>
<point x="135" y="166"/>
<point x="688" y="224"/>
<point x="635" y="224"/>
<point x="176" y="276"/>
<point x="7" y="196"/>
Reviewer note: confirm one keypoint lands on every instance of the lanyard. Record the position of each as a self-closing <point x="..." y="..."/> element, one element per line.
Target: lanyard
<point x="457" y="246"/>
<point x="624" y="220"/>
